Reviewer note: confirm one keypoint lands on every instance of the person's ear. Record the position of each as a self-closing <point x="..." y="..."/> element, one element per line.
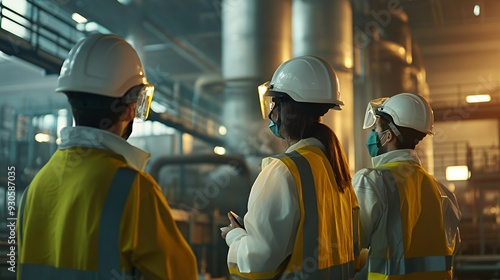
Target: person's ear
<point x="390" y="136"/>
<point x="130" y="112"/>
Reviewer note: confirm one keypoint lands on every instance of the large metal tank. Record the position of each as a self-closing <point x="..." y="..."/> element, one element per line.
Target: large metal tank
<point x="256" y="39"/>
<point x="324" y="28"/>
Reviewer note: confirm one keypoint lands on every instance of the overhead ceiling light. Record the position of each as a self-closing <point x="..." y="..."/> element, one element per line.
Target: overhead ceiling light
<point x="478" y="98"/>
<point x="222" y="130"/>
<point x="78" y="18"/>
<point x="125" y="2"/>
<point x="219" y="150"/>
<point x="457" y="173"/>
<point x="477" y="10"/>
<point x="42" y="137"/>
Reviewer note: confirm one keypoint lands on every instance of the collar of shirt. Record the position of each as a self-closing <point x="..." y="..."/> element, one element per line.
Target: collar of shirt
<point x="82" y="136"/>
<point x="306" y="142"/>
<point x="396" y="155"/>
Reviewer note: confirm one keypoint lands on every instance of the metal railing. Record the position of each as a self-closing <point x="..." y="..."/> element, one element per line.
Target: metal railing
<point x="455" y="94"/>
<point x="478" y="159"/>
<point x="485" y="159"/>
<point x="449" y="154"/>
<point x="40" y="27"/>
<point x="202" y="119"/>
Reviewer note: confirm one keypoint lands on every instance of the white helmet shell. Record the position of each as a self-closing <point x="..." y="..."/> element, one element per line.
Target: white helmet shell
<point x="102" y="64"/>
<point x="308" y="79"/>
<point x="409" y="110"/>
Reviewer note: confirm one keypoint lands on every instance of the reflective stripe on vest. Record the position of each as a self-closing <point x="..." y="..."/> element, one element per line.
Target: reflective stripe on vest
<point x="309" y="266"/>
<point x="400" y="266"/>
<point x="310" y="229"/>
<point x="412" y="265"/>
<point x="109" y="232"/>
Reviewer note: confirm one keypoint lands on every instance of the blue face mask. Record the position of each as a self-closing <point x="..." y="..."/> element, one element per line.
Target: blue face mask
<point x="275" y="128"/>
<point x="373" y="143"/>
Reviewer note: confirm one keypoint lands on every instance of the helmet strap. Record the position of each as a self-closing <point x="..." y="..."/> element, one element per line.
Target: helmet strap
<point x="396" y="131"/>
<point x="392" y="126"/>
<point x="278" y="121"/>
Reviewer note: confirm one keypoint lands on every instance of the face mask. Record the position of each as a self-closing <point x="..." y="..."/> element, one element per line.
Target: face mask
<point x="373" y="143"/>
<point x="275" y="128"/>
<point x="128" y="130"/>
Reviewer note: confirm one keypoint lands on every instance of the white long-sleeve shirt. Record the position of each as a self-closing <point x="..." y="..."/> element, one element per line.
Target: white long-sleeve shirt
<point x="370" y="189"/>
<point x="371" y="193"/>
<point x="272" y="219"/>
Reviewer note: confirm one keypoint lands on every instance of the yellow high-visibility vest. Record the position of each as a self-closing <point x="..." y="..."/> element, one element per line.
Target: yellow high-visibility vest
<point x="88" y="215"/>
<point x="327" y="238"/>
<point x="416" y="246"/>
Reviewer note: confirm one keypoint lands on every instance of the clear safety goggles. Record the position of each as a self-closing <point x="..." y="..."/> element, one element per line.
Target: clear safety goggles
<point x="266" y="101"/>
<point x="370" y="115"/>
<point x="145" y="96"/>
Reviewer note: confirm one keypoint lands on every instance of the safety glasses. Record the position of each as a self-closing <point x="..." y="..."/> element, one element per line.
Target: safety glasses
<point x="144" y="102"/>
<point x="370" y="115"/>
<point x="266" y="101"/>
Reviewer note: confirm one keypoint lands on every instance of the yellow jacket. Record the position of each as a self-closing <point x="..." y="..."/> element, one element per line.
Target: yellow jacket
<point x="323" y="239"/>
<point x="88" y="214"/>
<point x="408" y="219"/>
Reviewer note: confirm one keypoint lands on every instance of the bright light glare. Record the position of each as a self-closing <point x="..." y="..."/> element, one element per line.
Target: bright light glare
<point x="477" y="10"/>
<point x="219" y="150"/>
<point x="222" y="130"/>
<point x="457" y="173"/>
<point x="348" y="62"/>
<point x="42" y="137"/>
<point x="150" y="128"/>
<point x="78" y="18"/>
<point x="478" y="98"/>
<point x="125" y="2"/>
<point x="62" y="121"/>
<point x="158" y="108"/>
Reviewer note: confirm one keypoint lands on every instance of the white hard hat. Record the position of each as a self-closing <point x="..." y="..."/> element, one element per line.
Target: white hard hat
<point x="307" y="79"/>
<point x="105" y="64"/>
<point x="409" y="110"/>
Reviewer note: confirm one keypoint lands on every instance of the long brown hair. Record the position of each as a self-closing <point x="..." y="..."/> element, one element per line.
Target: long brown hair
<point x="302" y="120"/>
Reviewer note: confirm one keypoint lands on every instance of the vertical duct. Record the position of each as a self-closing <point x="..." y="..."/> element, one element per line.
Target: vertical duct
<point x="324" y="28"/>
<point x="256" y="39"/>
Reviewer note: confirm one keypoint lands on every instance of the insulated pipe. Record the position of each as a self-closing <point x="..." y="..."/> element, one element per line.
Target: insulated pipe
<point x="236" y="162"/>
<point x="256" y="39"/>
<point x="324" y="28"/>
<point x="213" y="193"/>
